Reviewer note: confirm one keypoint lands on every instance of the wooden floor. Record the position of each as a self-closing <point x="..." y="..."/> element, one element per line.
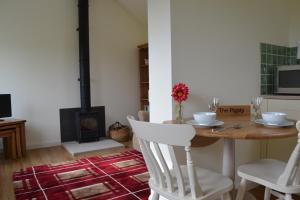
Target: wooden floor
<point x="259" y="194"/>
<point x="55" y="155"/>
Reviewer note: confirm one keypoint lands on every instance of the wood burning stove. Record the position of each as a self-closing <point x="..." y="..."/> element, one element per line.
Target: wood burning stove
<point x="71" y="118"/>
<point x="84" y="124"/>
<point x="88" y="126"/>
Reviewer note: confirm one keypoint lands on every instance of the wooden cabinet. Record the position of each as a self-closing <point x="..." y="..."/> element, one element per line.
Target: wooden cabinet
<point x="13" y="133"/>
<point x="144" y="76"/>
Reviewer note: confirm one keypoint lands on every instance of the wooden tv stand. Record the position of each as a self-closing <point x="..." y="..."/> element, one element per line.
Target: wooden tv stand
<point x="13" y="133"/>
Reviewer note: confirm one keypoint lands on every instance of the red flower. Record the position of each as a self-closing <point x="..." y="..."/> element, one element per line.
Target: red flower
<point x="180" y="92"/>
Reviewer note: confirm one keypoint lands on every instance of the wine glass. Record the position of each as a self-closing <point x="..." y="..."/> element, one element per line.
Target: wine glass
<point x="256" y="103"/>
<point x="213" y="104"/>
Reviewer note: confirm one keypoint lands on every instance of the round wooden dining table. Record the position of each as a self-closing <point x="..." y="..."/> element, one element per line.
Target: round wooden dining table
<point x="237" y="127"/>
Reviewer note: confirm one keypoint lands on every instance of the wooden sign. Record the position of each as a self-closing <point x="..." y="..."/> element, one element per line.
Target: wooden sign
<point x="234" y="110"/>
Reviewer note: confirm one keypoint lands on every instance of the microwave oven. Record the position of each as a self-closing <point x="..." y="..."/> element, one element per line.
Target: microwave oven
<point x="288" y="79"/>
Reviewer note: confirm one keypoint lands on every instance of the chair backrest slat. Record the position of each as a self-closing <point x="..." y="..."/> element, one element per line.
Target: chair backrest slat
<point x="194" y="184"/>
<point x="290" y="172"/>
<point x="177" y="171"/>
<point x="297" y="176"/>
<point x="148" y="161"/>
<point x="165" y="167"/>
<point x="171" y="135"/>
<point x="155" y="164"/>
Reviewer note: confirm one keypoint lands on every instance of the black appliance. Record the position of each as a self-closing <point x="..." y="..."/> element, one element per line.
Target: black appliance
<point x="5" y="105"/>
<point x="84" y="124"/>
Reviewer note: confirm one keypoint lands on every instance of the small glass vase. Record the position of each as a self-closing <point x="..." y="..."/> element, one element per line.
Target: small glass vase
<point x="178" y="112"/>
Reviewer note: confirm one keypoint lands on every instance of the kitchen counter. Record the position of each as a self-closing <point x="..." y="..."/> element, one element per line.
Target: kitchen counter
<point x="281" y="97"/>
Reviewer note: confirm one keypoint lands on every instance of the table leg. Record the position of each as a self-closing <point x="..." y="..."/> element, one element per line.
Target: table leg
<point x="12" y="146"/>
<point x="229" y="165"/>
<point x="23" y="139"/>
<point x="18" y="141"/>
<point x="229" y="161"/>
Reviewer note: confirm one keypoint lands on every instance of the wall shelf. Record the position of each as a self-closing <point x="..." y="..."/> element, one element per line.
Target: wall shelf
<point x="144" y="76"/>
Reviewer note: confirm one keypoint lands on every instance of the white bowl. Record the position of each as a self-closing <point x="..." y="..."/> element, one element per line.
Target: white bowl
<point x="205" y="117"/>
<point x="274" y="117"/>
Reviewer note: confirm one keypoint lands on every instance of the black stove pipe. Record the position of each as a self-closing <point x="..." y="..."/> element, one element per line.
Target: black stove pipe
<point x="84" y="55"/>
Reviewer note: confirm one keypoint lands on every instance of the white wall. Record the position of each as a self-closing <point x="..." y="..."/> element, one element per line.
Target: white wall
<point x="114" y="37"/>
<point x="215" y="46"/>
<point x="215" y="50"/>
<point x="39" y="62"/>
<point x="294" y="6"/>
<point x="137" y="8"/>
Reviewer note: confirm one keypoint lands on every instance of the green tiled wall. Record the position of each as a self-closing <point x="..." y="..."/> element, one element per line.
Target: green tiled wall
<point x="271" y="57"/>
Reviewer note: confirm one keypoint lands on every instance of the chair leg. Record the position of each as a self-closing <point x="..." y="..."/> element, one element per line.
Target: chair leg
<point x="267" y="193"/>
<point x="288" y="197"/>
<point x="226" y="196"/>
<point x="242" y="190"/>
<point x="155" y="196"/>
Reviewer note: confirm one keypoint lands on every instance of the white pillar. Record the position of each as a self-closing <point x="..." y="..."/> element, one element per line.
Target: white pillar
<point x="160" y="61"/>
<point x="160" y="64"/>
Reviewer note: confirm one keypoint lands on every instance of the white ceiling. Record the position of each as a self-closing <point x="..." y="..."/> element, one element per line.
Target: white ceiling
<point x="137" y="8"/>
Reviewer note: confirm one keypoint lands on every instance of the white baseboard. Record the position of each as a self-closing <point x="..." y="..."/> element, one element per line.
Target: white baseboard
<point x="44" y="145"/>
<point x="38" y="146"/>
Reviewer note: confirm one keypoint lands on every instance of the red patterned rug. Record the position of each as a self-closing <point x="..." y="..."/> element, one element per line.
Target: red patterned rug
<point x="119" y="176"/>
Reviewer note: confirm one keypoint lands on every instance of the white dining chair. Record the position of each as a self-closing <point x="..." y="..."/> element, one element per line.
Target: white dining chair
<point x="142" y="116"/>
<point x="277" y="176"/>
<point x="181" y="182"/>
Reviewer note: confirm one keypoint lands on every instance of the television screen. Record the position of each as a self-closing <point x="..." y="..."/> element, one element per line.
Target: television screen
<point x="5" y="105"/>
